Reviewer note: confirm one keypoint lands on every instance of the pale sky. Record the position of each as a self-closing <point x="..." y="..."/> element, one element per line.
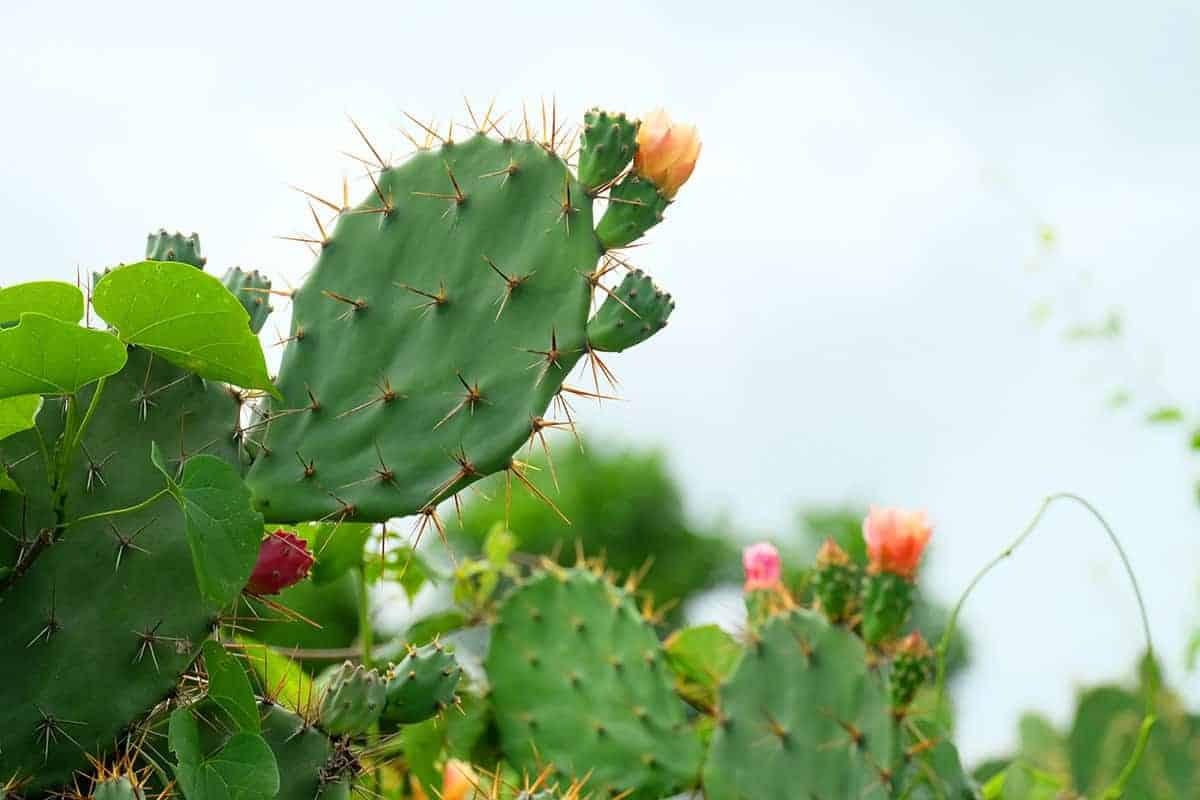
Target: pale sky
<point x="854" y="261"/>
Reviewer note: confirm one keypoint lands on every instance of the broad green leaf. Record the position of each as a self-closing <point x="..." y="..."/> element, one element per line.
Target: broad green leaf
<point x="18" y="413"/>
<point x="336" y="546"/>
<point x="188" y="317"/>
<point x="701" y="657"/>
<point x="55" y="299"/>
<point x="244" y="768"/>
<point x="284" y="678"/>
<point x="223" y="530"/>
<point x="229" y="687"/>
<point x="43" y="355"/>
<point x="183" y="736"/>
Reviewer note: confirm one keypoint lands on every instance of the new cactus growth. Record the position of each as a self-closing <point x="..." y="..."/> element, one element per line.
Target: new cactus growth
<point x="422" y="684"/>
<point x="352" y="699"/>
<point x="836" y="581"/>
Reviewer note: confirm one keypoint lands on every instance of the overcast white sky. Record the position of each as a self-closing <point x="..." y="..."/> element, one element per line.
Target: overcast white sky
<point x="851" y="260"/>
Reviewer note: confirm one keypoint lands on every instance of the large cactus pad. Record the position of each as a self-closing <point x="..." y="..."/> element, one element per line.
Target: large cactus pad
<point x="438" y="322"/>
<point x="579" y="682"/>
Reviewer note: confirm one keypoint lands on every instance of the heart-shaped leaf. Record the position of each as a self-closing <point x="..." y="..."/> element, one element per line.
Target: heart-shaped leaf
<point x="188" y="317"/>
<point x="18" y="413"/>
<point x="223" y="530"/>
<point x="55" y="299"/>
<point x="229" y="687"/>
<point x="43" y="355"/>
<point x="244" y="768"/>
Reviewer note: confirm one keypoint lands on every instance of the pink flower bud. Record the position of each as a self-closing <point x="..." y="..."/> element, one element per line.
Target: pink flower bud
<point x="666" y="152"/>
<point x="458" y="780"/>
<point x="895" y="540"/>
<point x="761" y="564"/>
<point x="283" y="559"/>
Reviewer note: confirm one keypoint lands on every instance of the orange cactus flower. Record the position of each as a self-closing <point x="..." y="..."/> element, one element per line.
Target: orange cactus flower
<point x="896" y="539"/>
<point x="666" y="152"/>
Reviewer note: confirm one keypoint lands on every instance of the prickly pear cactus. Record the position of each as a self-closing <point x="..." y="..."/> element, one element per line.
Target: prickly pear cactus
<point x="439" y="321"/>
<point x="805" y="714"/>
<point x="579" y="681"/>
<point x="352" y="698"/>
<point x="253" y="290"/>
<point x="422" y="684"/>
<point x="117" y="594"/>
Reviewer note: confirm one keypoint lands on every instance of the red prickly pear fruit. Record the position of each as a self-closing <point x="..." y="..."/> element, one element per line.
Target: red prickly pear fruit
<point x="283" y="560"/>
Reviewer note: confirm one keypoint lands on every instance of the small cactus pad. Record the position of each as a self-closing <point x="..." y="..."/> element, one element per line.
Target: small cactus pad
<point x="887" y="602"/>
<point x="634" y="207"/>
<point x="253" y="290"/>
<point x="438" y="322"/>
<point x="635" y="311"/>
<point x="422" y="684"/>
<point x="607" y="145"/>
<point x="352" y="698"/>
<point x="119" y="788"/>
<point x="579" y="681"/>
<point x="101" y="625"/>
<point x="801" y="716"/>
<point x="164" y="246"/>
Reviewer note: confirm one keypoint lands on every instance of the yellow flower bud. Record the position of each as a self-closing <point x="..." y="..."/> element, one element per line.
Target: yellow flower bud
<point x="666" y="152"/>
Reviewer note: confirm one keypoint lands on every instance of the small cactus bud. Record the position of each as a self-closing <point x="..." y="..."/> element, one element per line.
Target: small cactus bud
<point x="835" y="581"/>
<point x="761" y="565"/>
<point x="895" y="540"/>
<point x="283" y="560"/>
<point x="666" y="152"/>
<point x="912" y="665"/>
<point x="458" y="780"/>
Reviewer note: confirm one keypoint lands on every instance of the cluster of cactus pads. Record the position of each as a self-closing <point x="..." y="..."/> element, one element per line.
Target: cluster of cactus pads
<point x="141" y="464"/>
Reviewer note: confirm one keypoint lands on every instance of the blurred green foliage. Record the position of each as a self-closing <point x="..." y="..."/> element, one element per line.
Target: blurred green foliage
<point x="1103" y="735"/>
<point x="623" y="504"/>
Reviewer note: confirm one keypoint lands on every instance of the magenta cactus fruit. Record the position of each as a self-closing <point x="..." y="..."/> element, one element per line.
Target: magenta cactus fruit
<point x="283" y="560"/>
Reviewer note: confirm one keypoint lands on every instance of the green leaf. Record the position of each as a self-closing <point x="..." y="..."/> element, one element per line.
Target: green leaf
<point x="244" y="768"/>
<point x="229" y="687"/>
<point x="223" y="530"/>
<point x="43" y="355"/>
<point x="18" y="413"/>
<point x="336" y="546"/>
<point x="290" y="685"/>
<point x="188" y="317"/>
<point x="55" y="299"/>
<point x="701" y="657"/>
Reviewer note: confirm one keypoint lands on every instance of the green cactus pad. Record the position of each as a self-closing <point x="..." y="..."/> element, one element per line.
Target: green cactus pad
<point x="607" y="145"/>
<point x="887" y="602"/>
<point x="836" y="586"/>
<point x="352" y="698"/>
<point x="634" y="207"/>
<point x="579" y="681"/>
<point x="440" y="318"/>
<point x="164" y="246"/>
<point x="635" y="311"/>
<point x="801" y="716"/>
<point x="422" y="684"/>
<point x="252" y="289"/>
<point x="102" y="624"/>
